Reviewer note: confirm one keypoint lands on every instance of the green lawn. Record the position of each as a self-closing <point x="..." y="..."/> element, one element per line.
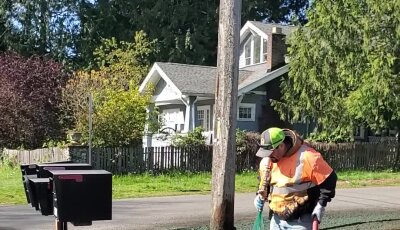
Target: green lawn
<point x="177" y="183"/>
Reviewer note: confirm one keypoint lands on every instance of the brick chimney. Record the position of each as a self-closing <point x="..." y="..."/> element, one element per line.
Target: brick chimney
<point x="276" y="49"/>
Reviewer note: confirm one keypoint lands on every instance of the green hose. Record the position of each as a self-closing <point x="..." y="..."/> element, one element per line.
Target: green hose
<point x="258" y="223"/>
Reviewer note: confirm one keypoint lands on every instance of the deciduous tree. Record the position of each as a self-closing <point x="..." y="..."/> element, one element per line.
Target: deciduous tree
<point x="30" y="95"/>
<point x="119" y="109"/>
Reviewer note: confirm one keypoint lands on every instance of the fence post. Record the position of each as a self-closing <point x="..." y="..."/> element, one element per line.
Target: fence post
<point x="150" y="159"/>
<point x="172" y="166"/>
<point x="396" y="162"/>
<point x="162" y="155"/>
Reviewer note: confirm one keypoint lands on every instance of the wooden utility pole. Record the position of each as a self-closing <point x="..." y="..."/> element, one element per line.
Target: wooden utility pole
<point x="226" y="93"/>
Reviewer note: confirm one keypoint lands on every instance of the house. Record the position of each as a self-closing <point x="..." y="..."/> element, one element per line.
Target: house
<point x="184" y="93"/>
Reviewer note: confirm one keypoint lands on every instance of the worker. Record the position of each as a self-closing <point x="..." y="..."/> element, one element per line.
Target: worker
<point x="295" y="180"/>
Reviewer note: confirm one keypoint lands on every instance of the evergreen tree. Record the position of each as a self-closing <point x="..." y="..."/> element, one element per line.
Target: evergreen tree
<point x="344" y="67"/>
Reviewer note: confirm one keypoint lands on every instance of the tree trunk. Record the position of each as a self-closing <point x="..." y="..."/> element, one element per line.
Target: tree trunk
<point x="226" y="93"/>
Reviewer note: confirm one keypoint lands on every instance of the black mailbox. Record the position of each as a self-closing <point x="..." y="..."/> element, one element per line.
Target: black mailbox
<point x="28" y="171"/>
<point x="43" y="169"/>
<point x="42" y="195"/>
<point x="29" y="190"/>
<point x="81" y="196"/>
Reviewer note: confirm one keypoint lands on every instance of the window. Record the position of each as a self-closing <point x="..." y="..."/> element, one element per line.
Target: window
<point x="254" y="49"/>
<point x="246" y="112"/>
<point x="257" y="49"/>
<point x="203" y="117"/>
<point x="247" y="52"/>
<point x="265" y="44"/>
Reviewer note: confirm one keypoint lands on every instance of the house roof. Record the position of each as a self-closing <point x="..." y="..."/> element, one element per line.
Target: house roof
<point x="198" y="80"/>
<point x="263" y="29"/>
<point x="190" y="79"/>
<point x="267" y="27"/>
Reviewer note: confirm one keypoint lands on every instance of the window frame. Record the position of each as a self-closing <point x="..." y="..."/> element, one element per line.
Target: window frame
<point x="252" y="111"/>
<point x="250" y="56"/>
<point x="204" y="108"/>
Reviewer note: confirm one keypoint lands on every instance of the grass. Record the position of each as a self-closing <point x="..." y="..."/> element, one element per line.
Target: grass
<point x="179" y="183"/>
<point x="11" y="188"/>
<point x="354" y="179"/>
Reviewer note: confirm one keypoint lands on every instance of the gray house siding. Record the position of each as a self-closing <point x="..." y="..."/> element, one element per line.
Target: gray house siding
<point x="259" y="101"/>
<point x="271" y="118"/>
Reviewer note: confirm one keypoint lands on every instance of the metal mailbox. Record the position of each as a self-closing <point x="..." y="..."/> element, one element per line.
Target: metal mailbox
<point x="42" y="195"/>
<point x="28" y="171"/>
<point x="81" y="196"/>
<point x="38" y="190"/>
<point x="42" y="170"/>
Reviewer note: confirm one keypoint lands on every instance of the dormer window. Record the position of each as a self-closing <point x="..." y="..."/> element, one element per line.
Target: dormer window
<point x="247" y="52"/>
<point x="257" y="49"/>
<point x="253" y="50"/>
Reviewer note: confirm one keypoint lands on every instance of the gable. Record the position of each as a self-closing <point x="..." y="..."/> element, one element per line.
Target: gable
<point x="253" y="49"/>
<point x="154" y="76"/>
<point x="163" y="92"/>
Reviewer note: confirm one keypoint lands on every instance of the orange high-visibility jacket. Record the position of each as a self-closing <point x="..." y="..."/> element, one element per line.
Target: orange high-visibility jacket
<point x="293" y="175"/>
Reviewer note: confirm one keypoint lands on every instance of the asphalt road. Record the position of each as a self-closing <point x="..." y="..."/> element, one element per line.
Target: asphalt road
<point x="190" y="211"/>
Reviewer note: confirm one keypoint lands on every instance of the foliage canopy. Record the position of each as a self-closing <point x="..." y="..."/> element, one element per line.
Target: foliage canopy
<point x="30" y="97"/>
<point x="119" y="115"/>
<point x="70" y="30"/>
<point x="344" y="67"/>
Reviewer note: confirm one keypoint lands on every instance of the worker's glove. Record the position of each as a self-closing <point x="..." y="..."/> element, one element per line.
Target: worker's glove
<point x="258" y="203"/>
<point x="318" y="212"/>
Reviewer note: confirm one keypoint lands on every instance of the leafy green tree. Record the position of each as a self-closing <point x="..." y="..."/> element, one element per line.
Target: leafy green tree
<point x="120" y="117"/>
<point x="126" y="61"/>
<point x="119" y="109"/>
<point x="344" y="67"/>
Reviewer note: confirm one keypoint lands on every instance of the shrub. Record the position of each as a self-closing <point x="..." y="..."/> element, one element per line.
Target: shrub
<point x="246" y="148"/>
<point x="193" y="138"/>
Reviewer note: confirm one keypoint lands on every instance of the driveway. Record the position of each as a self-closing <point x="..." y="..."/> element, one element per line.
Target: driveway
<point x="192" y="210"/>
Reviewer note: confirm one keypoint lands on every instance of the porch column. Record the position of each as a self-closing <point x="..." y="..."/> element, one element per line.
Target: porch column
<point x="147" y="134"/>
<point x="189" y="114"/>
